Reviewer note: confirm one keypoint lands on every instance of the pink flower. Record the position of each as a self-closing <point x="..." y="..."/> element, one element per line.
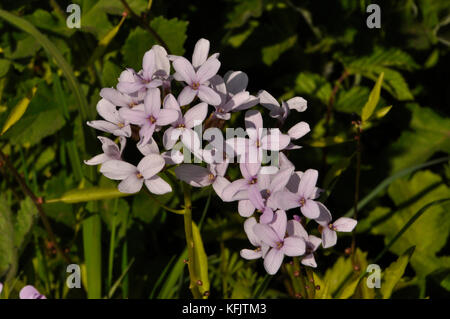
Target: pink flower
<point x="261" y="249"/>
<point x="29" y="292"/>
<point x="110" y="151"/>
<point x="114" y="124"/>
<point x="281" y="112"/>
<point x="295" y="228"/>
<point x="329" y="229"/>
<point x="274" y="235"/>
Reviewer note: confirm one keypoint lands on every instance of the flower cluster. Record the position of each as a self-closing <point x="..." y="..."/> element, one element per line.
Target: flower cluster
<point x="144" y="109"/>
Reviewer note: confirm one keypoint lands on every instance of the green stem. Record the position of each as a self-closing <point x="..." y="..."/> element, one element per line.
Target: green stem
<point x="190" y="240"/>
<point x="112" y="244"/>
<point x="301" y="279"/>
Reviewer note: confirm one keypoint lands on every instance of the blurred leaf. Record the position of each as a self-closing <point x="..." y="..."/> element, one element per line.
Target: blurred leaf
<point x="242" y="11"/>
<point x="352" y="100"/>
<point x="374" y="97"/>
<point x="393" y="274"/>
<point x="88" y="194"/>
<point x="18" y="111"/>
<point x="137" y="43"/>
<point x="4" y="67"/>
<point x="169" y="287"/>
<point x="315" y="85"/>
<point x="431" y="133"/>
<point x="172" y="31"/>
<point x="429" y="233"/>
<point x="8" y="252"/>
<point x="24" y="221"/>
<point x="271" y="53"/>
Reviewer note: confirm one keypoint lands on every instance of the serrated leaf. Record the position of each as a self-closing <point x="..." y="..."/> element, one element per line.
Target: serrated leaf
<point x="172" y="31"/>
<point x="374" y="97"/>
<point x="428" y="233"/>
<point x="392" y="275"/>
<point x="430" y="134"/>
<point x="88" y="194"/>
<point x="18" y="111"/>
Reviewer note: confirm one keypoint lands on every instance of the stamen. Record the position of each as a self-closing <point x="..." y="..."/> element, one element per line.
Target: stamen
<point x="211" y="176"/>
<point x="302" y="202"/>
<point x="120" y="125"/>
<point x="279" y="245"/>
<point x="139" y="175"/>
<point x="195" y="85"/>
<point x="152" y="119"/>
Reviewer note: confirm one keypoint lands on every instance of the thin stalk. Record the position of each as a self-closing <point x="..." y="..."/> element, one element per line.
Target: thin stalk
<point x="190" y="240"/>
<point x="301" y="279"/>
<point x="310" y="276"/>
<point x="112" y="245"/>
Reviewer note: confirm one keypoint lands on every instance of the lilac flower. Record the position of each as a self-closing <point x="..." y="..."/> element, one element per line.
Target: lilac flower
<point x="114" y="124"/>
<point x="329" y="229"/>
<point x="303" y="196"/>
<point x="260" y="203"/>
<point x="233" y="94"/>
<point x="250" y="173"/>
<point x="150" y="116"/>
<point x="29" y="292"/>
<point x="199" y="176"/>
<point x="110" y="151"/>
<point x="261" y="249"/>
<point x="184" y="124"/>
<point x="274" y="235"/>
<point x="295" y="228"/>
<point x="199" y="56"/>
<point x="251" y="149"/>
<point x="133" y="177"/>
<point x="281" y="112"/>
<point x="155" y="69"/>
<point x="197" y="81"/>
<point x="171" y="158"/>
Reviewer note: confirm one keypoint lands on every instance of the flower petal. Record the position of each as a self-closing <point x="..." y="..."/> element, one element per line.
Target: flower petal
<point x="207" y="70"/>
<point x="267" y="216"/>
<point x="201" y="51"/>
<point x="275" y="141"/>
<point x="117" y="170"/>
<point x="248" y="228"/>
<point x="171" y="103"/>
<point x="251" y="254"/>
<point x="294" y="246"/>
<point x="295" y="228"/>
<point x="345" y="224"/>
<point x="314" y="242"/>
<point x="194" y="175"/>
<point x="171" y="136"/>
<point x="132" y="184"/>
<point x="219" y="185"/>
<point x="246" y="208"/>
<point x="298" y="130"/>
<point x="150" y="165"/>
<point x="309" y="261"/>
<point x="234" y="187"/>
<point x="108" y="111"/>
<point x="98" y="159"/>
<point x="254" y="122"/>
<point x="308" y="182"/>
<point x="133" y="116"/>
<point x="186" y="95"/>
<point x="152" y="102"/>
<point x="29" y="292"/>
<point x="279" y="223"/>
<point x="208" y="95"/>
<point x="273" y="261"/>
<point x="324" y="218"/>
<point x="166" y="117"/>
<point x="329" y="237"/>
<point x="157" y="185"/>
<point x="287" y="200"/>
<point x="310" y="209"/>
<point x="266" y="234"/>
<point x="297" y="103"/>
<point x="195" y="115"/>
<point x="236" y="81"/>
<point x="184" y="69"/>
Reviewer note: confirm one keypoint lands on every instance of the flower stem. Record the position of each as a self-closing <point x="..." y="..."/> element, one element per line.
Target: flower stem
<point x="190" y="240"/>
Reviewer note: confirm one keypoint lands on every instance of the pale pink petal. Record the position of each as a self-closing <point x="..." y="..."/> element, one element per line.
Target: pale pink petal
<point x="266" y="234"/>
<point x="186" y="95"/>
<point x="195" y="115"/>
<point x="279" y="223"/>
<point x="275" y="141"/>
<point x="29" y="292"/>
<point x="308" y="183"/>
<point x="281" y="179"/>
<point x="310" y="209"/>
<point x="152" y="102"/>
<point x="297" y="103"/>
<point x="250" y="254"/>
<point x="270" y="103"/>
<point x="345" y="224"/>
<point x="133" y="116"/>
<point x="117" y="170"/>
<point x="329" y="237"/>
<point x="171" y="103"/>
<point x="166" y="117"/>
<point x="150" y="165"/>
<point x="157" y="185"/>
<point x="309" y="261"/>
<point x="219" y="185"/>
<point x="295" y="228"/>
<point x="200" y="54"/>
<point x="293" y="246"/>
<point x="162" y="63"/>
<point x="236" y="81"/>
<point x="115" y="97"/>
<point x="273" y="261"/>
<point x="104" y="126"/>
<point x="287" y="200"/>
<point x="254" y="195"/>
<point x="148" y="64"/>
<point x="208" y="95"/>
<point x="298" y="130"/>
<point x="132" y="184"/>
<point x="314" y="242"/>
<point x="98" y="159"/>
<point x="108" y="111"/>
<point x="207" y="70"/>
<point x="234" y="187"/>
<point x="249" y="170"/>
<point x="185" y="70"/>
<point x="253" y="121"/>
<point x="171" y="136"/>
<point x="245" y="208"/>
<point x="150" y="148"/>
<point x="248" y="228"/>
<point x="267" y="216"/>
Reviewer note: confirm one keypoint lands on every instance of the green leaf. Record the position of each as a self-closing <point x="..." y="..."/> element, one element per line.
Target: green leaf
<point x="18" y="111"/>
<point x="431" y="134"/>
<point x="8" y="252"/>
<point x="53" y="51"/>
<point x="26" y="217"/>
<point x="138" y="42"/>
<point x="428" y="233"/>
<point x="88" y="194"/>
<point x="393" y="274"/>
<point x="374" y="97"/>
<point x="201" y="260"/>
<point x="315" y="85"/>
<point x="242" y="11"/>
<point x="4" y="67"/>
<point x="33" y="125"/>
<point x="169" y="287"/>
<point x="172" y="31"/>
<point x="271" y="53"/>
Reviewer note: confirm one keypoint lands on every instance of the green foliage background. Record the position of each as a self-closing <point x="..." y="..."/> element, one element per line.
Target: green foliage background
<point x="321" y="50"/>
